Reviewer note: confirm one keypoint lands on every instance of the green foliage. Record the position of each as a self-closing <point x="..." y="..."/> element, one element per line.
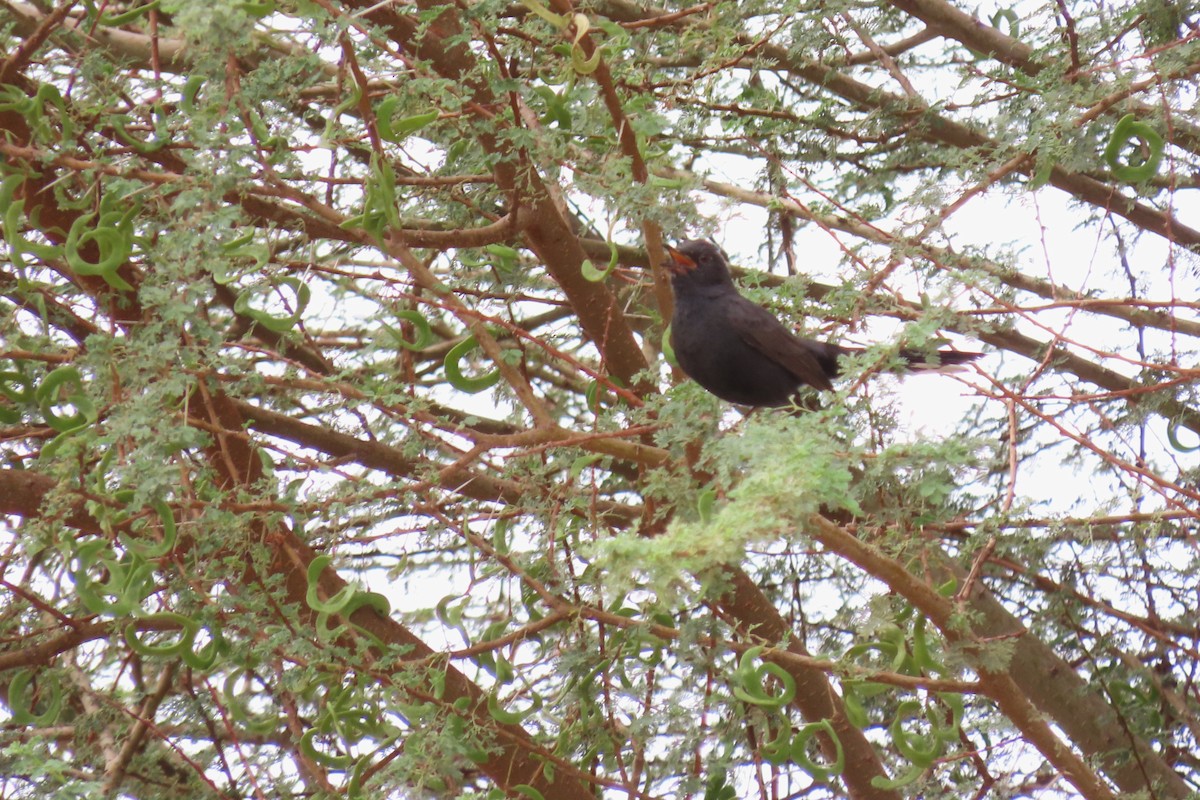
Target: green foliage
<point x="275" y="525"/>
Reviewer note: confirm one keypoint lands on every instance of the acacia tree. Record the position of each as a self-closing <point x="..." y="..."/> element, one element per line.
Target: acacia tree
<point x="343" y="456"/>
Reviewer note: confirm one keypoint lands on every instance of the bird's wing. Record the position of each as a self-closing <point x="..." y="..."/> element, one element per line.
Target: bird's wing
<point x="759" y="328"/>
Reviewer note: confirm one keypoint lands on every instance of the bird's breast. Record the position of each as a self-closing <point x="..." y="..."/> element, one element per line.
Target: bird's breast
<point x="711" y="353"/>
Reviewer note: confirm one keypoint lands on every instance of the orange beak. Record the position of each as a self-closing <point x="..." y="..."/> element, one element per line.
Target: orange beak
<point x="678" y="263"/>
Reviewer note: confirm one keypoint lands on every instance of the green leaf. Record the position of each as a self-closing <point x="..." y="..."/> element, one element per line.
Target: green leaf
<point x="1045" y="167"/>
<point x="914" y="772"/>
<point x="116" y="20"/>
<point x="717" y="787"/>
<point x="500" y="536"/>
<point x="278" y="324"/>
<point x="799" y="751"/>
<point x="594" y="275"/>
<point x="209" y="655"/>
<point x="127" y="582"/>
<point x="48" y="394"/>
<point x="668" y="349"/>
<point x="334" y="604"/>
<point x="27" y="394"/>
<point x="920" y="750"/>
<point x="21" y="700"/>
<point x="856" y="712"/>
<point x="242" y="247"/>
<point x="556" y="20"/>
<point x="187" y="632"/>
<point x="748" y="681"/>
<point x="191" y="90"/>
<point x="583" y="462"/>
<point x="704" y="504"/>
<point x="505" y="717"/>
<point x="237" y="701"/>
<point x="1126" y="131"/>
<point x="1007" y="15"/>
<point x="397" y="130"/>
<point x="454" y="373"/>
<point x="160" y="139"/>
<point x="308" y="746"/>
<point x="889" y="649"/>
<point x="148" y="549"/>
<point x="113" y="242"/>
<point x="256" y="10"/>
<point x="424" y="332"/>
<point x="1173" y="438"/>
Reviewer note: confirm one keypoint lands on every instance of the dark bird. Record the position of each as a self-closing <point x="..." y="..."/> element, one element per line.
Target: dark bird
<point x="739" y="351"/>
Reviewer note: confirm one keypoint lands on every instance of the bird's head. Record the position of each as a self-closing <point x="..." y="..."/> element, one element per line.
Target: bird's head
<point x="697" y="262"/>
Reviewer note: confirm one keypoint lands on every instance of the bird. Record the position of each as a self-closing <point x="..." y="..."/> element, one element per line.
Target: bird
<point x="741" y="352"/>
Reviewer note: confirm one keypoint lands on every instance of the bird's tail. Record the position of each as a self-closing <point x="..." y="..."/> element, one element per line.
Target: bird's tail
<point x="937" y="360"/>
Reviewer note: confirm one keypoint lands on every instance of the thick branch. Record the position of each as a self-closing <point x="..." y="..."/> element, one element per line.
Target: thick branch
<point x="1034" y="675"/>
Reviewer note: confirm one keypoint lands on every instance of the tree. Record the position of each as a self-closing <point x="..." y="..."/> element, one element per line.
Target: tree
<point x="343" y="455"/>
